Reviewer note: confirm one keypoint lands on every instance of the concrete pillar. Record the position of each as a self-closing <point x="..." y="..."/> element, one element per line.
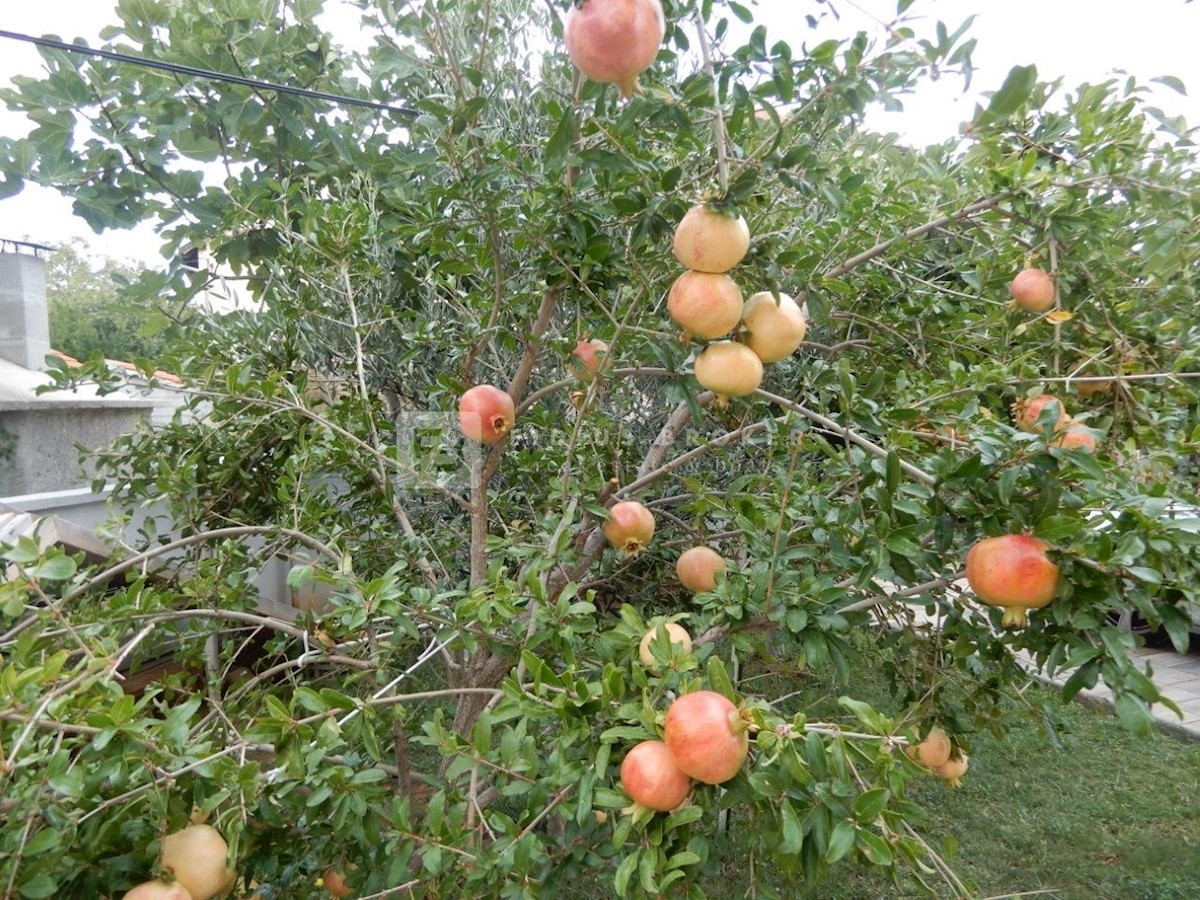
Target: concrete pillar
<point x="24" y="316"/>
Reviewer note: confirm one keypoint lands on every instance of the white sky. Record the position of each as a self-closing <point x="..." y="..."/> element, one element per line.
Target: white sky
<point x="1081" y="40"/>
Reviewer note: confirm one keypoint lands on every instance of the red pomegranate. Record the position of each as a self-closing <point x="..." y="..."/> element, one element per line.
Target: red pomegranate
<point x="1013" y="572"/>
<point x="651" y="777"/>
<point x="486" y="413"/>
<point x="629" y="526"/>
<point x="1075" y="436"/>
<point x="590" y="358"/>
<point x="707" y="736"/>
<point x="335" y="883"/>
<point x="1033" y="290"/>
<point x="614" y="41"/>
<point x="1027" y="412"/>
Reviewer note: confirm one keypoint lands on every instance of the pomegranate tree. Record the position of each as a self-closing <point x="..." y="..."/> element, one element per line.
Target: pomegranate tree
<point x="486" y="413"/>
<point x="708" y="240"/>
<point x="728" y="370"/>
<point x="1013" y="572"/>
<point x="1033" y="290"/>
<point x="614" y="41"/>
<point x="705" y="305"/>
<point x="652" y="778"/>
<point x="707" y="736"/>
<point x="629" y="526"/>
<point x="697" y="568"/>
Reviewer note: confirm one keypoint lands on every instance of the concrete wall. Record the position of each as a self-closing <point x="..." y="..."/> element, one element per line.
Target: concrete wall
<point x="38" y="445"/>
<point x="24" y="320"/>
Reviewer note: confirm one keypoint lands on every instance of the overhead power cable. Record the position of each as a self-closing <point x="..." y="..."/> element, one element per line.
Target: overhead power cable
<point x="193" y="71"/>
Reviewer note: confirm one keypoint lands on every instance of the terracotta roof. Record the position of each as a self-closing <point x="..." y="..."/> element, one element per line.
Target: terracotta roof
<point x="127" y="366"/>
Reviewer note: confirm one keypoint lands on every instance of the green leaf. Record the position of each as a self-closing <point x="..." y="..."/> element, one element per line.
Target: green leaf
<point x="683" y="816"/>
<point x="870" y="804"/>
<point x="1012" y="94"/>
<point x="1134" y="714"/>
<point x="741" y="12"/>
<point x="841" y="841"/>
<point x="875" y="848"/>
<point x="39" y="886"/>
<point x="58" y="568"/>
<point x="625" y="873"/>
<point x="45" y="840"/>
<point x="1172" y="82"/>
<point x="791" y="830"/>
<point x="1144" y="575"/>
<point x="718" y="679"/>
<point x="684" y="858"/>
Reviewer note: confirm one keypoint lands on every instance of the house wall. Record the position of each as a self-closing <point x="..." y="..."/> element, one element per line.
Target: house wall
<point x="38" y="446"/>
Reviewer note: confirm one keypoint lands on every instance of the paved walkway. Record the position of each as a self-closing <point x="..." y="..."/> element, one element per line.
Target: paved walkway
<point x="1177" y="676"/>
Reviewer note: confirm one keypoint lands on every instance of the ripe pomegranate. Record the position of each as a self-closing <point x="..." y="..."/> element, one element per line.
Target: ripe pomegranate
<point x="1033" y="290"/>
<point x="629" y="526"/>
<point x="590" y="358"/>
<point x="677" y="634"/>
<point x="1012" y="571"/>
<point x="157" y="890"/>
<point x="728" y="370"/>
<point x="707" y="736"/>
<point x="952" y="770"/>
<point x="933" y="751"/>
<point x="651" y="777"/>
<point x="776" y="329"/>
<point x="708" y="240"/>
<point x="697" y="569"/>
<point x="196" y="857"/>
<point x="704" y="305"/>
<point x="335" y="883"/>
<point x="1027" y="412"/>
<point x="1075" y="436"/>
<point x="486" y="413"/>
<point x="614" y="41"/>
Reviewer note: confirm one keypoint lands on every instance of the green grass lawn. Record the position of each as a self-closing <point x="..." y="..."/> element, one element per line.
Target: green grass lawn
<point x="1111" y="816"/>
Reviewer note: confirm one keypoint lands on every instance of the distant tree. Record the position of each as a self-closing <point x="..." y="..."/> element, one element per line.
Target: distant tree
<point x="88" y="311"/>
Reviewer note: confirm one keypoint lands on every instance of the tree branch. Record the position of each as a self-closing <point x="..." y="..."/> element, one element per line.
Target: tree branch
<point x="882" y="247"/>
